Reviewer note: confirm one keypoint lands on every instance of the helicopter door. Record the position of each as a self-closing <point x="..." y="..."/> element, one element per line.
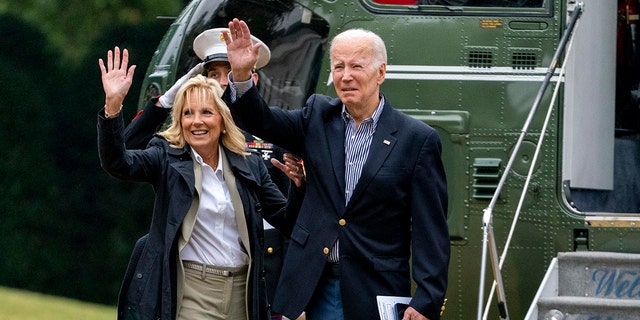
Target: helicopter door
<point x="589" y="115"/>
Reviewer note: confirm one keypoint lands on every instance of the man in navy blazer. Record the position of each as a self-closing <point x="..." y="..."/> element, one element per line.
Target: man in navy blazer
<point x="376" y="192"/>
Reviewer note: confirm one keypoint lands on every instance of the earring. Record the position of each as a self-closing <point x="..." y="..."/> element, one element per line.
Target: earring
<point x="224" y="131"/>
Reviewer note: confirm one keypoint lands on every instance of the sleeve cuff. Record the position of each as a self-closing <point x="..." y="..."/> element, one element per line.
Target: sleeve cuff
<point x="238" y="88"/>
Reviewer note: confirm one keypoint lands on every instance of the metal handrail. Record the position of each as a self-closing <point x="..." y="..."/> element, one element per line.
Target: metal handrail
<point x="529" y="174"/>
<point x="488" y="241"/>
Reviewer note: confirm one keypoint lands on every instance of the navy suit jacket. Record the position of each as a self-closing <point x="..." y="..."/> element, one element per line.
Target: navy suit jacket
<point x="397" y="211"/>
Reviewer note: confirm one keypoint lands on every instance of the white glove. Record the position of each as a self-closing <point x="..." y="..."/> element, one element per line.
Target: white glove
<point x="166" y="100"/>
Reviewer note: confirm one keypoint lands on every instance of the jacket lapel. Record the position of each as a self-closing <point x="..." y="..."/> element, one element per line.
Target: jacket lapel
<point x="192" y="175"/>
<point x="335" y="141"/>
<point x="230" y="179"/>
<point x="190" y="171"/>
<point x="190" y="219"/>
<point x="382" y="143"/>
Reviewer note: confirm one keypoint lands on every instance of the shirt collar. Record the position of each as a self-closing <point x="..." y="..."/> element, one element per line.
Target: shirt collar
<point x="375" y="116"/>
<point x="198" y="158"/>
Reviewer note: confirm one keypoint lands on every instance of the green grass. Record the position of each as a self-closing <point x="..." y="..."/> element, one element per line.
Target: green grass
<point x="24" y="305"/>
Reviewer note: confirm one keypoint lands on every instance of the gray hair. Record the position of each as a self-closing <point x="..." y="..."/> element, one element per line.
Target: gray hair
<point x="379" y="48"/>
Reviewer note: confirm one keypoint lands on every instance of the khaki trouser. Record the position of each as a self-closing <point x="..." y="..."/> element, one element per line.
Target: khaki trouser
<point x="212" y="296"/>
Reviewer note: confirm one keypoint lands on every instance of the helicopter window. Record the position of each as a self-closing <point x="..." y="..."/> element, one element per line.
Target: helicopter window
<point x="469" y="3"/>
<point x="407" y="2"/>
<point x="295" y="36"/>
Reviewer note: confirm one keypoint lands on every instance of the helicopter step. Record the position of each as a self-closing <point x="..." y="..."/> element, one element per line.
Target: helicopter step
<point x="589" y="285"/>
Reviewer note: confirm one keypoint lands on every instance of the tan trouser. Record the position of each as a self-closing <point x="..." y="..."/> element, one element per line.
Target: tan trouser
<point x="210" y="296"/>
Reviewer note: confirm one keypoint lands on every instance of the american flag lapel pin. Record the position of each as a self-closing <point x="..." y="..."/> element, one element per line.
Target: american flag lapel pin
<point x="387" y="142"/>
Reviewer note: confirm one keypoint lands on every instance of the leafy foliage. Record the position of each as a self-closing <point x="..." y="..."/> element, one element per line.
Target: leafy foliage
<point x="67" y="228"/>
<point x="73" y="25"/>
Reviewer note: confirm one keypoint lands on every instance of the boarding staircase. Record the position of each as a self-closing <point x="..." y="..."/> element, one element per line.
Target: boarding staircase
<point x="589" y="285"/>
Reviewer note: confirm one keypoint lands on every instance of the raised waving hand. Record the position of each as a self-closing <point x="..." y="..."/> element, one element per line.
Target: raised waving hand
<point x="117" y="77"/>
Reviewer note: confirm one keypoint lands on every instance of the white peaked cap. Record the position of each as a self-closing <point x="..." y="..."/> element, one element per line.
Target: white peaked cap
<point x="209" y="46"/>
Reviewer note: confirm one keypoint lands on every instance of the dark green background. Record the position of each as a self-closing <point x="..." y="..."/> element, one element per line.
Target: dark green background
<point x="66" y="227"/>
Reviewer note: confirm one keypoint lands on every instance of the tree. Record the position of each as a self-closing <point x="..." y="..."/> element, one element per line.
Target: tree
<point x="73" y="25"/>
<point x="67" y="227"/>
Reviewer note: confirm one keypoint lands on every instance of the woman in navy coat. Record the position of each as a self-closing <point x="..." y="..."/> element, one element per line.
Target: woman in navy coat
<point x="202" y="137"/>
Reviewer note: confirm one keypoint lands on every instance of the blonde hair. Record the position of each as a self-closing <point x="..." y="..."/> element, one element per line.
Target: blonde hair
<point x="208" y="88"/>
